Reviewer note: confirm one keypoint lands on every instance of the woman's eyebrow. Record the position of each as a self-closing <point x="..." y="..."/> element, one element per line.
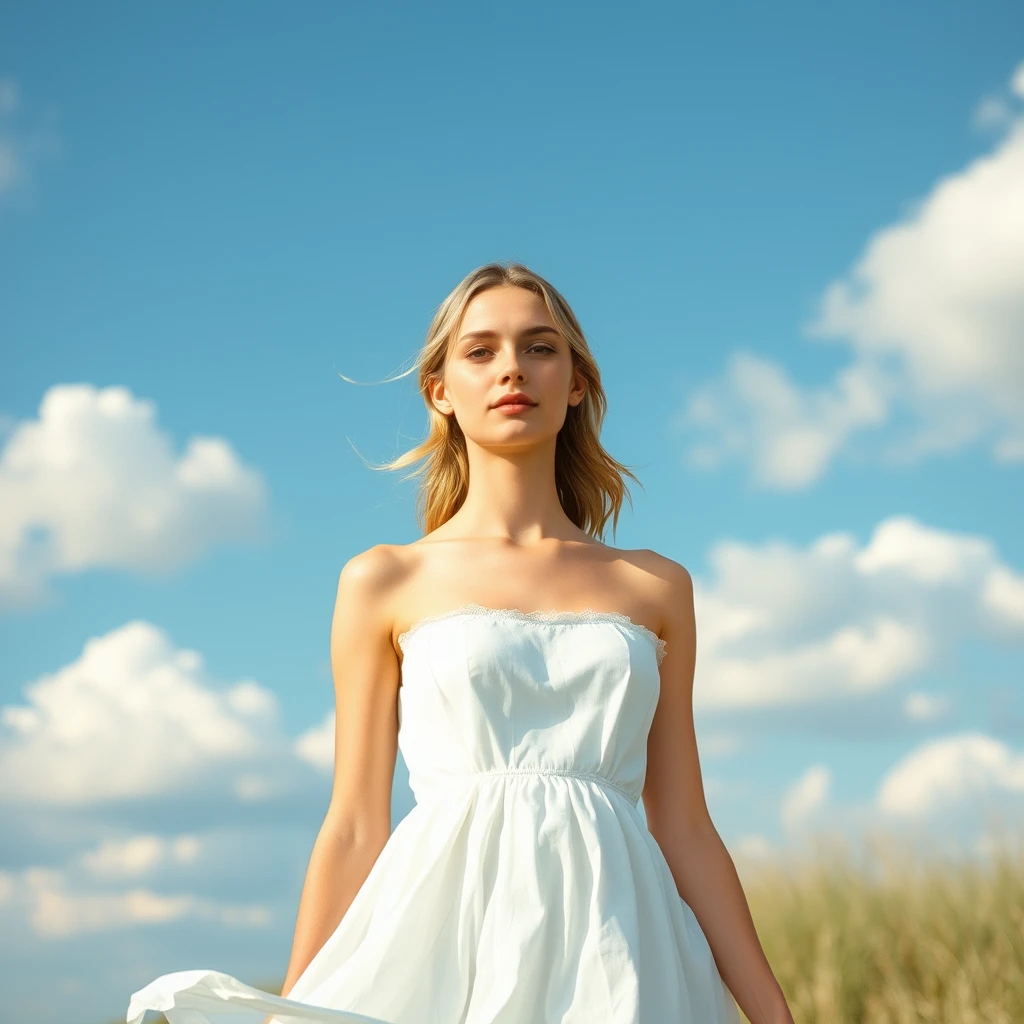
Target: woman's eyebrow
<point x="528" y="332"/>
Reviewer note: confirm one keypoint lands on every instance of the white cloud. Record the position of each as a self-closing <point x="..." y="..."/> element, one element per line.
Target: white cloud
<point x="902" y="546"/>
<point x="316" y="745"/>
<point x="933" y="315"/>
<point x="790" y="434"/>
<point x="93" y="482"/>
<point x="806" y="796"/>
<point x="138" y="855"/>
<point x="780" y="625"/>
<point x="1003" y="594"/>
<point x="54" y="910"/>
<point x="948" y="771"/>
<point x="133" y="717"/>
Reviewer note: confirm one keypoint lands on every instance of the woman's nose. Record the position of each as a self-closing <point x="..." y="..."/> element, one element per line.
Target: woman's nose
<point x="512" y="367"/>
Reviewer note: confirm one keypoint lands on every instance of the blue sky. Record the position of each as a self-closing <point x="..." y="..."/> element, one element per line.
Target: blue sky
<point x="795" y="239"/>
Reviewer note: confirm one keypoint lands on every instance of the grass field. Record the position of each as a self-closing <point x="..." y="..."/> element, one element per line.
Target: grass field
<point x="885" y="938"/>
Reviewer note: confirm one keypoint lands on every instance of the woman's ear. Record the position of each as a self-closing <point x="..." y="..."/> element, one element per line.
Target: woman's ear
<point x="579" y="389"/>
<point x="436" y="390"/>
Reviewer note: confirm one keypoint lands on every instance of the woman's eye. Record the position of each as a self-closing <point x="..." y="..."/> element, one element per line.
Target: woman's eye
<point x="541" y="346"/>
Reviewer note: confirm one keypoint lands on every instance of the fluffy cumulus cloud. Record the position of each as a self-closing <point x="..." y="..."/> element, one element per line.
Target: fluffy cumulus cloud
<point x="947" y="773"/>
<point x="781" y="626"/>
<point x="134" y="729"/>
<point x="54" y="909"/>
<point x="138" y="855"/>
<point x="134" y="717"/>
<point x="932" y="314"/>
<point x="93" y="482"/>
<point x="222" y="875"/>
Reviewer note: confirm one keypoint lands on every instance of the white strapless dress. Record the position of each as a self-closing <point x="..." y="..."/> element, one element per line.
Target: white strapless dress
<point x="524" y="886"/>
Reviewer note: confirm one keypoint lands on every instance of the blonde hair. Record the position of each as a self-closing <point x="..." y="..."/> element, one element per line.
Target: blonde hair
<point x="589" y="481"/>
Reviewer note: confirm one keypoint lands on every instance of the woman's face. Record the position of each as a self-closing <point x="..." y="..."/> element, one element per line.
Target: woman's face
<point x="507" y="342"/>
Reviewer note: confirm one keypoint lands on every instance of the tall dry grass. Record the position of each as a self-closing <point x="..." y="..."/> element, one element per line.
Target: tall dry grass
<point x="887" y="936"/>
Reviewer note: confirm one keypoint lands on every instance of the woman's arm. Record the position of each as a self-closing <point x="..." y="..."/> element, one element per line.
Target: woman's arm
<point x="678" y="818"/>
<point x="338" y="866"/>
<point x="358" y="819"/>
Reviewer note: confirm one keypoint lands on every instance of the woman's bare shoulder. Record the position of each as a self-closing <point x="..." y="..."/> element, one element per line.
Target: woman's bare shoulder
<point x="663" y="585"/>
<point x="652" y="563"/>
<point x="659" y="564"/>
<point x="380" y="568"/>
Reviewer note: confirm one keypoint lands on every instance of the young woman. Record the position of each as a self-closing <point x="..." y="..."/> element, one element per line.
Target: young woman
<point x="539" y="684"/>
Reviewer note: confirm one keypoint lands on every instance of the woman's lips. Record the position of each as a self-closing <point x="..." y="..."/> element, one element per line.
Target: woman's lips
<point x="514" y="407"/>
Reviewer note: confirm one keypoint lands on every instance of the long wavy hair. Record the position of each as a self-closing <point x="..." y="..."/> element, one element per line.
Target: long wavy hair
<point x="589" y="481"/>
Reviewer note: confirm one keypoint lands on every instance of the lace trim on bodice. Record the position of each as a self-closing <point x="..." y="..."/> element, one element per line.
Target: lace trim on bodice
<point x="554" y="617"/>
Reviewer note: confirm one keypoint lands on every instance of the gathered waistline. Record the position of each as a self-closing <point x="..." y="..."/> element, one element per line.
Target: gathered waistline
<point x="595" y="777"/>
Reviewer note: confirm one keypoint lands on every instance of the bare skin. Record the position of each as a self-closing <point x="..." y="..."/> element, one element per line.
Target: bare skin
<point x="510" y="545"/>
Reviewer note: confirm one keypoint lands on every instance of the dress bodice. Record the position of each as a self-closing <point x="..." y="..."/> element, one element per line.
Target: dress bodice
<point x="489" y="693"/>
